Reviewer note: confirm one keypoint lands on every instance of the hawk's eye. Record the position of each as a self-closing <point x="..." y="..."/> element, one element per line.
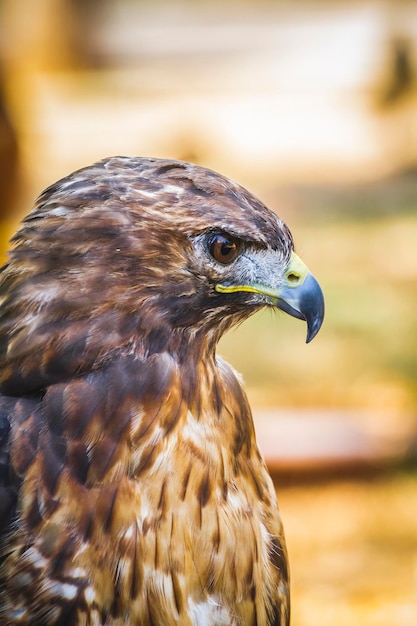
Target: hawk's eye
<point x="224" y="248"/>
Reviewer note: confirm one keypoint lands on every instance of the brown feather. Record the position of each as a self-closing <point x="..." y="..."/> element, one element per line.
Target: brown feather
<point x="134" y="490"/>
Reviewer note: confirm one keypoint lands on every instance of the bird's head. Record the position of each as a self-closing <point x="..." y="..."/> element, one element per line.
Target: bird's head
<point x="142" y="255"/>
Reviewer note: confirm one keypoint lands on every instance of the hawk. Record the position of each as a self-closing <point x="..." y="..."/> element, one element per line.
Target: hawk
<point x="132" y="490"/>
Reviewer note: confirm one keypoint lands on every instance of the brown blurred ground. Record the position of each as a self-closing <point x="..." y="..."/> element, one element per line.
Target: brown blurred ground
<point x="353" y="551"/>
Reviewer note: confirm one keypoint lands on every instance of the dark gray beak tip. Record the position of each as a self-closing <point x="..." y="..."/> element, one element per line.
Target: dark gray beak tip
<point x="305" y="302"/>
<point x="312" y="306"/>
<point x="314" y="325"/>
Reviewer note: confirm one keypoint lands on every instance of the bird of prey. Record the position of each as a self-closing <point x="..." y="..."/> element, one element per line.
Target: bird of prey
<point x="132" y="490"/>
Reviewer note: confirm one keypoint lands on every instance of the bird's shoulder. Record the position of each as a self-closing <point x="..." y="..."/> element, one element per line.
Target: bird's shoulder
<point x="127" y="465"/>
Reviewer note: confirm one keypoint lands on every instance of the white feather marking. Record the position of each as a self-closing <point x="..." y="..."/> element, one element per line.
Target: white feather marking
<point x="19" y="614"/>
<point x="35" y="558"/>
<point x="174" y="189"/>
<point x="59" y="211"/>
<point x="128" y="534"/>
<point x="142" y="192"/>
<point x="209" y="613"/>
<point x="78" y="572"/>
<point x="197" y="431"/>
<point x="89" y="595"/>
<point x="68" y="591"/>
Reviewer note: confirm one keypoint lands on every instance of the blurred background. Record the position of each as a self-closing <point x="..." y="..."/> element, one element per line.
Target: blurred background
<point x="313" y="107"/>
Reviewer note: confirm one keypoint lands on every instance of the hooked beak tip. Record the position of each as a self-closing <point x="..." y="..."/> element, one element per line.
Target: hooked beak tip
<point x="306" y="302"/>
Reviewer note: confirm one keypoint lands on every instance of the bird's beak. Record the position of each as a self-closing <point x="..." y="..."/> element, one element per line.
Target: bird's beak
<point x="299" y="295"/>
